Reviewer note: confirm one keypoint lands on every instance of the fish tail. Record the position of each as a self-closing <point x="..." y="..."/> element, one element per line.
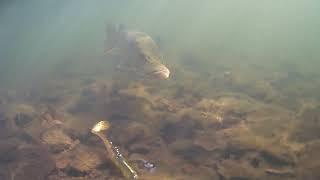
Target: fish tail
<point x="113" y="34"/>
<point x="111" y="38"/>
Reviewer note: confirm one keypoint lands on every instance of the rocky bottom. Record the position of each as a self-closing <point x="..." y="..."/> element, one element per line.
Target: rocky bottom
<point x="181" y="131"/>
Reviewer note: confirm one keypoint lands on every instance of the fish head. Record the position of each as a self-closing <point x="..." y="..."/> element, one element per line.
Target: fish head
<point x="158" y="71"/>
<point x="161" y="72"/>
<point x="144" y="56"/>
<point x="154" y="67"/>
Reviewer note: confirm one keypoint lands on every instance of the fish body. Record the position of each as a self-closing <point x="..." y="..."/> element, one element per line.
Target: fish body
<point x="139" y="52"/>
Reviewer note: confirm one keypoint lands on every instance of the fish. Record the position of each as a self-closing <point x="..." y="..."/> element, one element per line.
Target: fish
<point x="139" y="52"/>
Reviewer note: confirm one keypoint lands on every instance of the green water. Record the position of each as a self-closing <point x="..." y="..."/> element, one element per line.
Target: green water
<point x="261" y="51"/>
<point x="266" y="33"/>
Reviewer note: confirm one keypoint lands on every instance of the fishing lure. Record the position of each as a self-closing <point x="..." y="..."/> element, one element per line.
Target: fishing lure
<point x="113" y="151"/>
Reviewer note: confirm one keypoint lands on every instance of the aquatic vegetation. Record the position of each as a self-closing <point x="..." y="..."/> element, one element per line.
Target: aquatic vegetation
<point x="23" y="114"/>
<point x="309" y="162"/>
<point x="233" y="169"/>
<point x="82" y="160"/>
<point x="223" y="134"/>
<point x="29" y="162"/>
<point x="57" y="140"/>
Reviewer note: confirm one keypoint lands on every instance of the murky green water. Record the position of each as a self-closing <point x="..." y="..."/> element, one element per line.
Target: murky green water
<point x="241" y="102"/>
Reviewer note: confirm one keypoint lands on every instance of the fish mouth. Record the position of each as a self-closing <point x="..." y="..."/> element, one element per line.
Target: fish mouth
<point x="162" y="73"/>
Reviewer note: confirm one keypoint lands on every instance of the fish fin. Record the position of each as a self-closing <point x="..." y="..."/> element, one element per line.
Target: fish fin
<point x="112" y="50"/>
<point x="134" y="72"/>
<point x="112" y="37"/>
<point x="123" y="67"/>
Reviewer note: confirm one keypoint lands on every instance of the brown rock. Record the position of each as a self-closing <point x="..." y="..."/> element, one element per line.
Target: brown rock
<point x="232" y="169"/>
<point x="57" y="139"/>
<point x="82" y="159"/>
<point x="34" y="163"/>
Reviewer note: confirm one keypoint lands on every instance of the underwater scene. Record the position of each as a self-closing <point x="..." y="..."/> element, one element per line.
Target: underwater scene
<point x="159" y="90"/>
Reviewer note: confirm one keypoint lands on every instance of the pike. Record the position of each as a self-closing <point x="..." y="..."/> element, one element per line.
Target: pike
<point x="139" y="52"/>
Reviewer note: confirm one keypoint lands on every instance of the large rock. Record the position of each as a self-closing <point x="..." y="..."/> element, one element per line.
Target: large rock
<point x="233" y="169"/>
<point x="307" y="129"/>
<point x="58" y="140"/>
<point x="22" y="114"/>
<point x="33" y="163"/>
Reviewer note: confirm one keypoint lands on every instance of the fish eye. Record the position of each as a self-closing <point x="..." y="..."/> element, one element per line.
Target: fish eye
<point x="146" y="56"/>
<point x="142" y="55"/>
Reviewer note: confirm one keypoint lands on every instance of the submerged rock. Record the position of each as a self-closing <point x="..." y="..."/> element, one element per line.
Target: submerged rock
<point x="22" y="120"/>
<point x="81" y="159"/>
<point x="309" y="164"/>
<point x="135" y="131"/>
<point x="7" y="127"/>
<point x="34" y="163"/>
<point x="91" y="98"/>
<point x="233" y="169"/>
<point x="138" y="104"/>
<point x="58" y="140"/>
<point x="8" y="150"/>
<point x="23" y="114"/>
<point x="307" y="129"/>
<point x="209" y="141"/>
